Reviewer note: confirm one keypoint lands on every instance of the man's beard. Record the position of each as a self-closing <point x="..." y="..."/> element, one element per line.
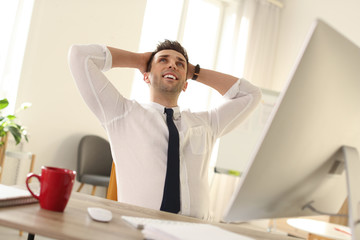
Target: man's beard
<point x="168" y="88"/>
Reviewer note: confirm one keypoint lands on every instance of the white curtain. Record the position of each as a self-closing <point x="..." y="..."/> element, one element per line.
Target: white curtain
<point x="263" y="19"/>
<point x="15" y="16"/>
<point x="247" y="50"/>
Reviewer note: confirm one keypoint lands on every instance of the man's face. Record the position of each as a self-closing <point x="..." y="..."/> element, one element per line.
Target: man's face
<point x="168" y="72"/>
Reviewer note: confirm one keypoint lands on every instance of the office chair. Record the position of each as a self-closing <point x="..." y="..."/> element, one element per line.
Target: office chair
<point x="94" y="162"/>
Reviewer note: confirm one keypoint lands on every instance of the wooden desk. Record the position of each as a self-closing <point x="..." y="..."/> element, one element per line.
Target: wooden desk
<point x="74" y="222"/>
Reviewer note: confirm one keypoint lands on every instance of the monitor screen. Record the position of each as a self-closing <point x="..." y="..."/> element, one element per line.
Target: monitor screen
<point x="318" y="112"/>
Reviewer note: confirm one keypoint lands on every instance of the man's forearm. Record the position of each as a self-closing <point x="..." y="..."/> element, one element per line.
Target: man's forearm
<point x="127" y="59"/>
<point x="219" y="81"/>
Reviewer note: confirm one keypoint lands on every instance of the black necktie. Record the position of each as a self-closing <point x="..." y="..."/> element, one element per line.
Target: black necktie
<point x="171" y="197"/>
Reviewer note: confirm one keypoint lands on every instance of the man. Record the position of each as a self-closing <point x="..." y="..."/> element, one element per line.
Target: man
<point x="138" y="133"/>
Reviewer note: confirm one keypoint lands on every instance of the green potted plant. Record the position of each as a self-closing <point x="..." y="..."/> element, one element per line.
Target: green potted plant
<point x="8" y="124"/>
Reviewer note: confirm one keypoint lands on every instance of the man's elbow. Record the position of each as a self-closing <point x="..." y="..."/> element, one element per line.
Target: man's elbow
<point x="75" y="51"/>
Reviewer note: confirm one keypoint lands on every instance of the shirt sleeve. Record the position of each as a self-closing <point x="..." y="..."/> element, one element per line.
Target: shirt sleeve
<point x="87" y="64"/>
<point x="240" y="100"/>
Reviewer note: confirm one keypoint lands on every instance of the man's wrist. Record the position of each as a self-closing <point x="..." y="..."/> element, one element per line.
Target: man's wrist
<point x="196" y="72"/>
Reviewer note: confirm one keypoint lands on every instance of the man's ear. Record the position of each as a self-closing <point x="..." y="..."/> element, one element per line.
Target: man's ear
<point x="146" y="77"/>
<point x="185" y="86"/>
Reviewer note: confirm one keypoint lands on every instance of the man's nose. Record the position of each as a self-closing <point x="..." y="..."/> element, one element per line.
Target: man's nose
<point x="172" y="65"/>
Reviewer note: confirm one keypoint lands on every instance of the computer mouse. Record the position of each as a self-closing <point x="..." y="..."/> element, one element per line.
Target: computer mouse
<point x="100" y="214"/>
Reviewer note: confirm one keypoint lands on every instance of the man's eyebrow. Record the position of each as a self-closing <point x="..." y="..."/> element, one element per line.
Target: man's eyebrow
<point x="167" y="55"/>
<point x="180" y="59"/>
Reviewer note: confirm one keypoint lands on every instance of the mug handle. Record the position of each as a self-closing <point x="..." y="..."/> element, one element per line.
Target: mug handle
<point x="30" y="175"/>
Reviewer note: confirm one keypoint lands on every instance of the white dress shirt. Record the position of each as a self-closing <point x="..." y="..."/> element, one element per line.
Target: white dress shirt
<point x="138" y="134"/>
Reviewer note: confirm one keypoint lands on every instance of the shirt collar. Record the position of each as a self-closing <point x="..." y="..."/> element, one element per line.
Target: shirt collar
<point x="161" y="108"/>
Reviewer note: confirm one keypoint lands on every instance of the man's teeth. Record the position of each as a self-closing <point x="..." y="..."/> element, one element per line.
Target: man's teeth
<point x="170" y="76"/>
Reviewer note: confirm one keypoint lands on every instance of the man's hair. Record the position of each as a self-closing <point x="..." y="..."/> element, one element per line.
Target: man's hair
<point x="167" y="45"/>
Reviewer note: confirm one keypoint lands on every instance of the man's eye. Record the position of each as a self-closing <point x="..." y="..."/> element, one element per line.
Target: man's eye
<point x="180" y="64"/>
<point x="162" y="60"/>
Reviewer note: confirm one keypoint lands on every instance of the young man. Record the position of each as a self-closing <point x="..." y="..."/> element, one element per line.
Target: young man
<point x="138" y="133"/>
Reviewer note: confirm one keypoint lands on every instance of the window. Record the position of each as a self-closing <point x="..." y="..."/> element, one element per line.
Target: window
<point x="14" y="25"/>
<point x="200" y="38"/>
<point x="161" y="21"/>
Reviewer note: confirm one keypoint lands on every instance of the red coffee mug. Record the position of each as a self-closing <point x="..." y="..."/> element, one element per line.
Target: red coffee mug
<point x="55" y="187"/>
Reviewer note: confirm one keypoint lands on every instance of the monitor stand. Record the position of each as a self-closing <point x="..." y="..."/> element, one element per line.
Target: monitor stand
<point x="348" y="158"/>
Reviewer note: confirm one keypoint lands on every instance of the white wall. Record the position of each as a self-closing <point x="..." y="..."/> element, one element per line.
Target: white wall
<point x="59" y="117"/>
<point x="297" y="17"/>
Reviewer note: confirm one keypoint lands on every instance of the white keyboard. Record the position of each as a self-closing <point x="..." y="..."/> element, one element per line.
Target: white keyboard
<point x="167" y="229"/>
<point x="140" y="222"/>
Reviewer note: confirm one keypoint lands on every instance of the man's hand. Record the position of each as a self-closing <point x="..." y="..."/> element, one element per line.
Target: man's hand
<point x="190" y="71"/>
<point x="144" y="59"/>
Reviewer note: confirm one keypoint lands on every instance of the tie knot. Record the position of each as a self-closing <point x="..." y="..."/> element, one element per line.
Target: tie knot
<point x="169" y="112"/>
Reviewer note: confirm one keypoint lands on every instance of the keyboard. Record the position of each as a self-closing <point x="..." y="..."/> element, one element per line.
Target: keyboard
<point x="176" y="230"/>
<point x="140" y="222"/>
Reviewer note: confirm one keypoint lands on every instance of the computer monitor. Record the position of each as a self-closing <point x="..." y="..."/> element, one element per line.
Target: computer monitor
<point x="301" y="159"/>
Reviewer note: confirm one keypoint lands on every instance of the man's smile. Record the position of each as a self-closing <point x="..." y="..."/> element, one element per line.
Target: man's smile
<point x="170" y="76"/>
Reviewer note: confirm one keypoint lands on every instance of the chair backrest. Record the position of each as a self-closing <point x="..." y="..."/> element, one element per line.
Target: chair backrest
<point x="94" y="156"/>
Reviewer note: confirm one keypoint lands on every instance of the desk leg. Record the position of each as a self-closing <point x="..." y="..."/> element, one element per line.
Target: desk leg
<point x="31" y="236"/>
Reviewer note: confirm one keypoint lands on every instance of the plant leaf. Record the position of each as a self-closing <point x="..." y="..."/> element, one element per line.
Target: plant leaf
<point x="8" y="124"/>
<point x="3" y="103"/>
<point x="16" y="133"/>
<point x="11" y="117"/>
